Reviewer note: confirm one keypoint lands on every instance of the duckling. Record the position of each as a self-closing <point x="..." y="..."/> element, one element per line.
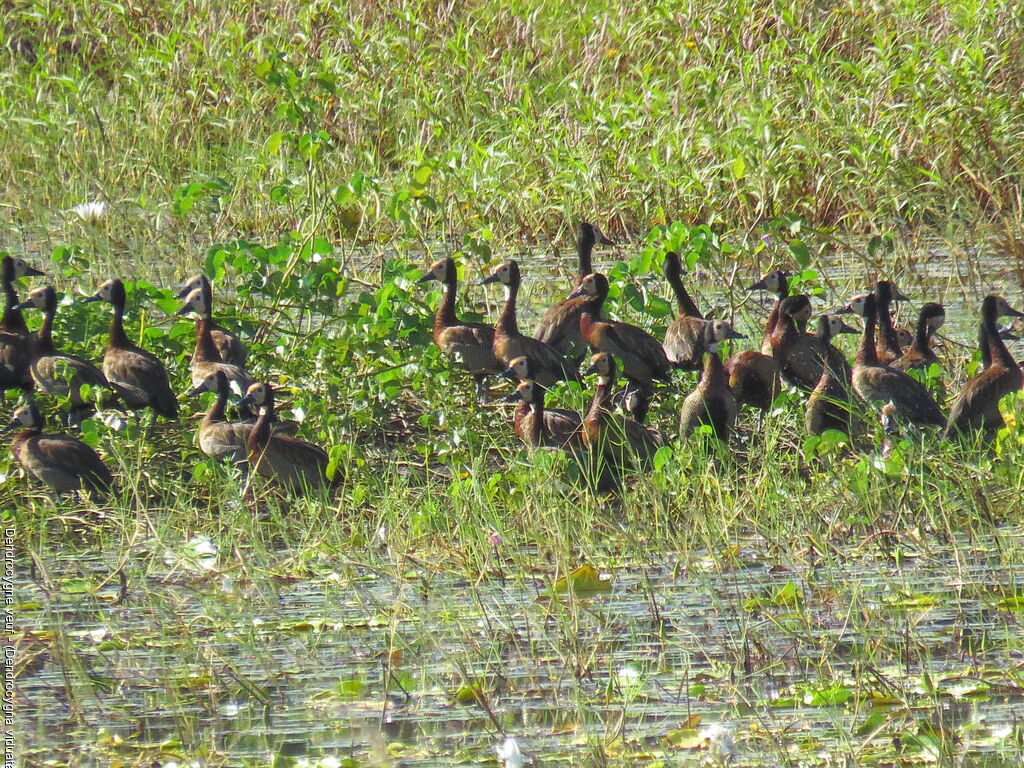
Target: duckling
<point x="229" y="347"/>
<point x="754" y="379"/>
<point x="55" y="372"/>
<point x="536" y="425"/>
<point x="206" y="358"/>
<point x="15" y="341"/>
<point x="64" y="463"/>
<point x="548" y="365"/>
<point x="827" y="407"/>
<point x="712" y="402"/>
<point x="684" y="339"/>
<point x="877" y="383"/>
<point x="137" y="376"/>
<point x="919" y="354"/>
<point x="470" y="345"/>
<point x="777" y="282"/>
<point x="977" y="405"/>
<point x="621" y="442"/>
<point x="643" y="358"/>
<point x="218" y="437"/>
<point x="294" y="463"/>
<point x="887" y="346"/>
<point x="560" y="326"/>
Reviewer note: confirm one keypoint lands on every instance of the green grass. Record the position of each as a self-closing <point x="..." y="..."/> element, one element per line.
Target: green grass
<point x="313" y="161"/>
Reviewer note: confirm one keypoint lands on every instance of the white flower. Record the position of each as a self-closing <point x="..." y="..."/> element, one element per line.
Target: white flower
<point x="91" y="212"/>
<point x="509" y="754"/>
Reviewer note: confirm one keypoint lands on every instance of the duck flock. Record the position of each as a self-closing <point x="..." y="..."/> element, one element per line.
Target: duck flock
<point x="609" y="440"/>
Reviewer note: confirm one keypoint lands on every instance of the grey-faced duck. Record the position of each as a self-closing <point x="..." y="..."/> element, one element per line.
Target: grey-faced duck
<point x="62" y="462"/>
<point x="919" y="353"/>
<point x="466" y="344"/>
<point x="712" y="402"/>
<point x="828" y="407"/>
<point x="560" y="326"/>
<point x="206" y="358"/>
<point x="877" y="384"/>
<point x="684" y="338"/>
<point x="135" y="374"/>
<point x="229" y="346"/>
<point x="977" y="406"/>
<point x="509" y="343"/>
<point x="15" y="340"/>
<point x="643" y="358"/>
<point x="775" y="282"/>
<point x="55" y="372"/>
<point x="293" y="463"/>
<point x="539" y="426"/>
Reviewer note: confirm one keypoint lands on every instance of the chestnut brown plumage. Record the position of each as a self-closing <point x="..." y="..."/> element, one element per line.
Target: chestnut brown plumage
<point x="206" y="358"/>
<point x="62" y="462"/>
<point x="753" y="378"/>
<point x="828" y="405"/>
<point x="137" y="376"/>
<point x="466" y="344"/>
<point x="229" y="348"/>
<point x="977" y="406"/>
<point x="887" y="344"/>
<point x="15" y="341"/>
<point x="612" y="439"/>
<point x="919" y="354"/>
<point x="560" y="326"/>
<point x="684" y="339"/>
<point x="509" y="343"/>
<point x="712" y="402"/>
<point x="537" y="425"/>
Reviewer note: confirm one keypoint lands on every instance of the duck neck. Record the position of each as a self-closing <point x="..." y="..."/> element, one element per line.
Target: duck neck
<point x="13" y="320"/>
<point x="206" y="350"/>
<point x="866" y="354"/>
<point x="44" y="338"/>
<point x="885" y="327"/>
<point x="713" y="375"/>
<point x="584" y="251"/>
<point x="507" y="323"/>
<point x="588" y="323"/>
<point x="446" y="312"/>
<point x="998" y="354"/>
<point x="118" y="338"/>
<point x="601" y="403"/>
<point x="686" y="306"/>
<point x="921" y="335"/>
<point x="218" y="410"/>
<point x="537" y="430"/>
<point x="260" y="434"/>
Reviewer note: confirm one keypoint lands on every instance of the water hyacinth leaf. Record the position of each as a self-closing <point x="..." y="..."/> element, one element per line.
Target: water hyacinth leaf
<point x="786" y="596"/>
<point x="799" y="251"/>
<point x="584" y="581"/>
<point x="871" y="725"/>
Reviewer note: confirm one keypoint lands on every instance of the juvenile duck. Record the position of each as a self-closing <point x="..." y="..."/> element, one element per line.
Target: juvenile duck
<point x="548" y="365"/>
<point x="977" y="406"/>
<point x="876" y="383"/>
<point x="206" y="358"/>
<point x="466" y="344"/>
<point x="616" y="441"/>
<point x="15" y="341"/>
<point x="643" y="358"/>
<point x="229" y="347"/>
<point x="294" y="463"/>
<point x="684" y="339"/>
<point x="536" y="425"/>
<point x="560" y="326"/>
<point x="920" y="354"/>
<point x="137" y="376"/>
<point x="776" y="282"/>
<point x="54" y="372"/>
<point x="64" y="463"/>
<point x="712" y="402"/>
<point x="828" y="405"/>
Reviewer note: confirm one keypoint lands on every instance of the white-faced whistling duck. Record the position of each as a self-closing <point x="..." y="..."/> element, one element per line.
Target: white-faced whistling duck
<point x="469" y="345"/>
<point x="977" y="405"/>
<point x="560" y="326"/>
<point x="643" y="358"/>
<point x="777" y="283"/>
<point x="536" y="425"/>
<point x="887" y="345"/>
<point x="55" y="372"/>
<point x="903" y="337"/>
<point x="229" y="347"/>
<point x="622" y="442"/>
<point x="876" y="383"/>
<point x="294" y="463"/>
<point x="753" y="378"/>
<point x="64" y="463"/>
<point x="219" y="437"/>
<point x="712" y="402"/>
<point x="548" y="365"/>
<point x="137" y="376"/>
<point x="206" y="358"/>
<point x="919" y="353"/>
<point x="684" y="339"/>
<point x="828" y="405"/>
<point x="15" y="341"/>
<point x="795" y="351"/>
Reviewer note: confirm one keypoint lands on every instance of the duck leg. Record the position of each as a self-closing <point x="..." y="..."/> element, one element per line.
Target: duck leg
<point x="483" y="392"/>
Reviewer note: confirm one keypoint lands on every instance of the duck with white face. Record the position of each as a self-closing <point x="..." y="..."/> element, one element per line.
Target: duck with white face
<point x="206" y="359"/>
<point x="229" y="347"/>
<point x="712" y="402"/>
<point x="15" y="341"/>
